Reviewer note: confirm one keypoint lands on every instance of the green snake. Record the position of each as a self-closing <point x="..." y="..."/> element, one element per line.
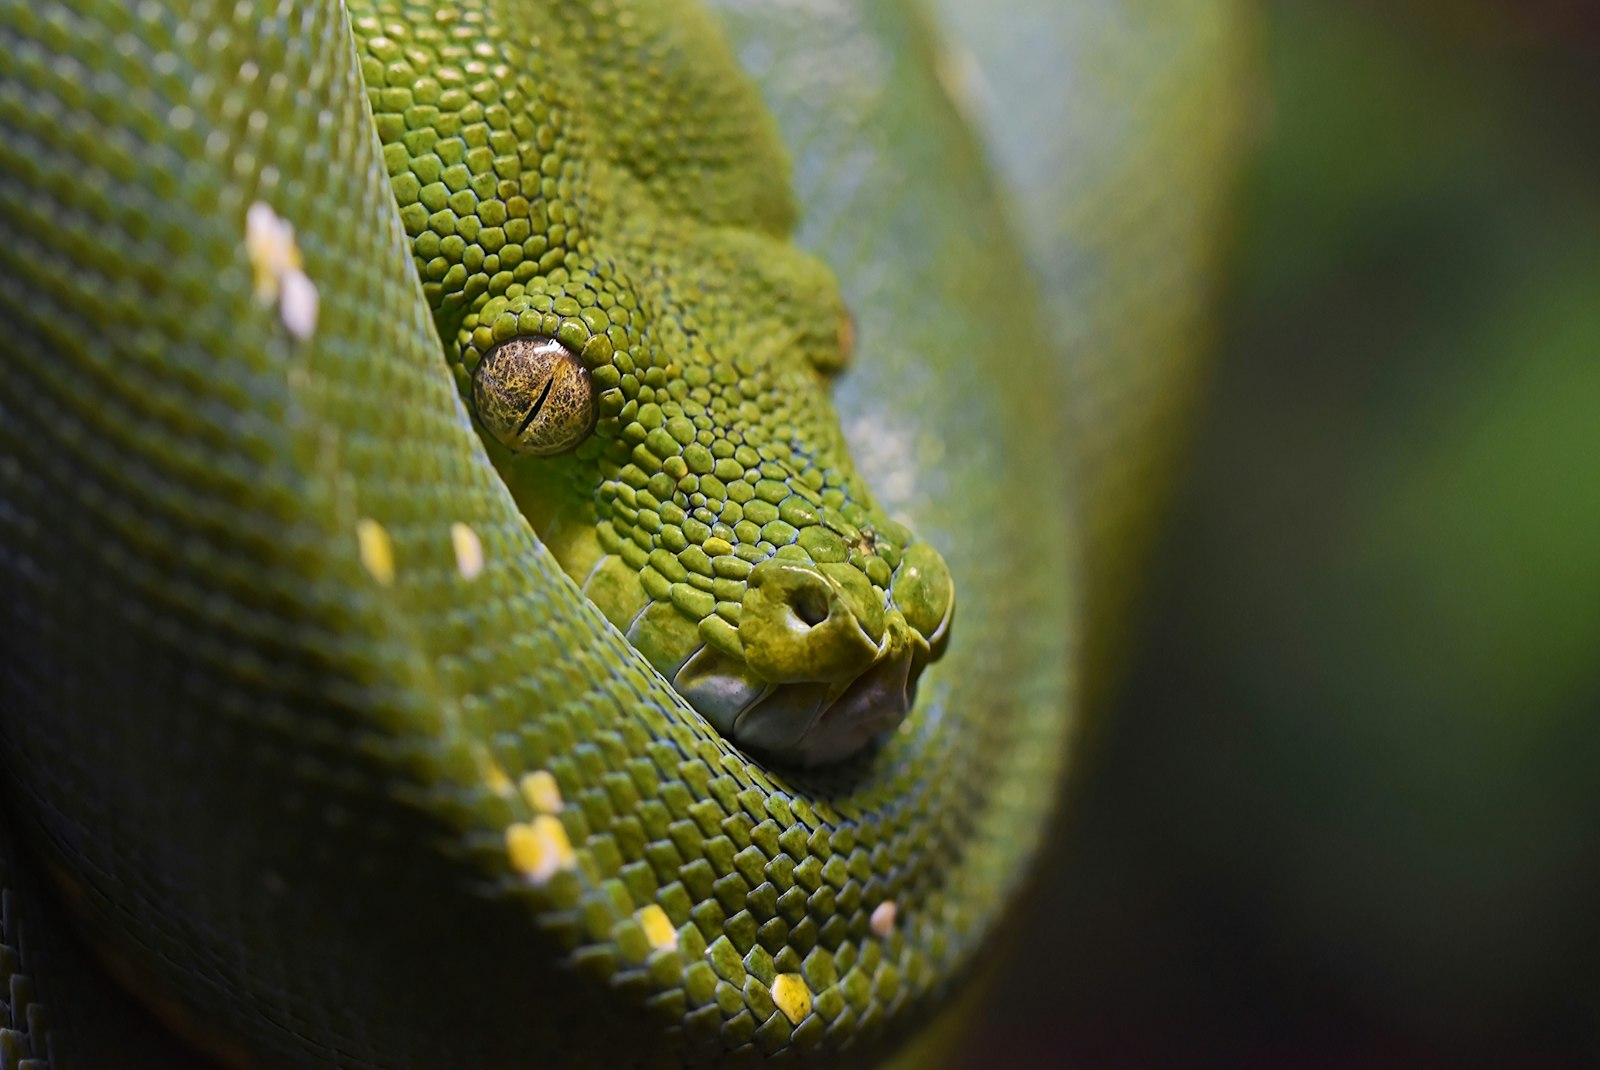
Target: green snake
<point x="483" y="588"/>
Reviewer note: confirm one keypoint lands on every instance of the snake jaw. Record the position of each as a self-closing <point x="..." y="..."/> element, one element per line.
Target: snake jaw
<point x="874" y="702"/>
<point x="808" y="722"/>
<point x="720" y="687"/>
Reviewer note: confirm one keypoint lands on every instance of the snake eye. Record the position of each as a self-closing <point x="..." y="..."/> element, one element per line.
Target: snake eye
<point x="534" y="396"/>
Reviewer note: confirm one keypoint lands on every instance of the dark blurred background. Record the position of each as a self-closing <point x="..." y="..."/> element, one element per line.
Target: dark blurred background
<point x="1345" y="810"/>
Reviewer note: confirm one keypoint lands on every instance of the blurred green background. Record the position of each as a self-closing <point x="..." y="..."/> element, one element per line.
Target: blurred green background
<point x="1346" y="807"/>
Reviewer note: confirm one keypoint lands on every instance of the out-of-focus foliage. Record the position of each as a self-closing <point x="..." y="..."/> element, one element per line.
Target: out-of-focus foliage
<point x="1347" y="813"/>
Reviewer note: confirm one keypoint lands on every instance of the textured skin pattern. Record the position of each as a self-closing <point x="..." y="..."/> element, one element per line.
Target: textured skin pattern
<point x="337" y="785"/>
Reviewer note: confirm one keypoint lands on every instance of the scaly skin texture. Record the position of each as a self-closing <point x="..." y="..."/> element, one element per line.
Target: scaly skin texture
<point x="310" y="722"/>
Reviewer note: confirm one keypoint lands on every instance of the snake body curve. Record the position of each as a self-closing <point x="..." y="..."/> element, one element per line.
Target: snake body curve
<point x="320" y="738"/>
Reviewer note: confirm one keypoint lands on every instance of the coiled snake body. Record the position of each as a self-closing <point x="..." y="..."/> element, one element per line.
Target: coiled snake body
<point x="445" y="626"/>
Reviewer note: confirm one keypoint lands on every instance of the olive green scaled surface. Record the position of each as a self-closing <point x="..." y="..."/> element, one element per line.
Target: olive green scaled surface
<point x="348" y="737"/>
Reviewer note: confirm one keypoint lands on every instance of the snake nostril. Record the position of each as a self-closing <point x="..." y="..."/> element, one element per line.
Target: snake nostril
<point x="811" y="607"/>
<point x="801" y="621"/>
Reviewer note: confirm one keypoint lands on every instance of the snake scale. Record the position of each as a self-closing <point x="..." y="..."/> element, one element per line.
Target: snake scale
<point x="457" y="613"/>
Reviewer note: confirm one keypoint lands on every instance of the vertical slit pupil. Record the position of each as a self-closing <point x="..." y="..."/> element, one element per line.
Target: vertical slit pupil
<point x="537" y="405"/>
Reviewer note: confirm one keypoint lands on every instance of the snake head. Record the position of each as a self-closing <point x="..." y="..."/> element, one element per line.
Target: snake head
<point x="708" y="506"/>
<point x="649" y="357"/>
<point x="743" y="562"/>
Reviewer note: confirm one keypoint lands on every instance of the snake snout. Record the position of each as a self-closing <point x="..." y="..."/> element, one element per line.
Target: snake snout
<point x="803" y="622"/>
<point x="840" y="657"/>
<point x="924" y="593"/>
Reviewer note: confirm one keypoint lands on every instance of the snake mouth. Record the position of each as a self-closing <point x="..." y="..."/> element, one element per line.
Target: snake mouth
<point x="829" y="662"/>
<point x="793" y="722"/>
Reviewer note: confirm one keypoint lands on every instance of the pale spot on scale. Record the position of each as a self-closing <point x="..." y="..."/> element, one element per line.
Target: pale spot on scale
<point x="269" y="242"/>
<point x="539" y="849"/>
<point x="469" y="550"/>
<point x="542" y="792"/>
<point x="277" y="270"/>
<point x="792" y="995"/>
<point x="377" y="551"/>
<point x="657" y="928"/>
<point x="297" y="306"/>
<point x="882" y="920"/>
